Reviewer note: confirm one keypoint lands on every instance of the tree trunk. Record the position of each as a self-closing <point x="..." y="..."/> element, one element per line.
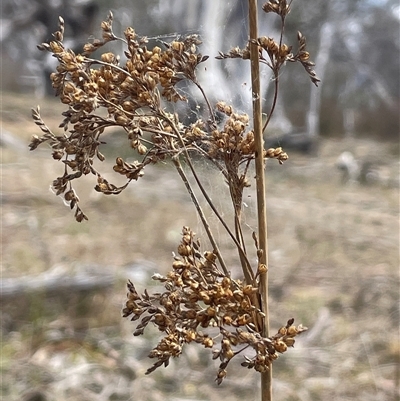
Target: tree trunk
<point x="321" y="61"/>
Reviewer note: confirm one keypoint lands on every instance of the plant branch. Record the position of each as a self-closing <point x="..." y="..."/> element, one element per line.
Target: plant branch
<point x="275" y="68"/>
<point x="195" y="201"/>
<point x="249" y="275"/>
<point x="212" y="115"/>
<point x="237" y="205"/>
<point x="274" y="101"/>
<point x="208" y="199"/>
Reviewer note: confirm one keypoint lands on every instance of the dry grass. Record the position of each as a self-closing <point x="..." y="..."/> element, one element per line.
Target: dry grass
<point x="334" y="266"/>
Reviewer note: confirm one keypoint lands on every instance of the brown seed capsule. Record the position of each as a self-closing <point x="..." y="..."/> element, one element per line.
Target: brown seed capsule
<point x="229" y="354"/>
<point x="260" y="359"/>
<point x="244" y="319"/>
<point x="205" y="297"/>
<point x="284" y="50"/>
<point x="69" y="195"/>
<point x="178" y="264"/>
<point x="56" y="47"/>
<point x="263" y="42"/>
<point x="69" y="87"/>
<point x="142" y="149"/>
<point x="282" y="331"/>
<point x="211" y="311"/>
<point x="108" y="57"/>
<point x="273" y="47"/>
<point x="190" y="314"/>
<point x="304" y="56"/>
<point x="238" y="295"/>
<point x="262" y="268"/>
<point x="57" y="154"/>
<point x="221" y="374"/>
<point x="260" y="368"/>
<point x="226" y="282"/>
<point x="159" y="319"/>
<point x="191" y="334"/>
<point x="177" y="46"/>
<point x="184" y="250"/>
<point x="187" y="238"/>
<point x="249" y="290"/>
<point x="121" y="119"/>
<point x="270" y="152"/>
<point x="245" y="304"/>
<point x="130" y="303"/>
<point x="280" y="346"/>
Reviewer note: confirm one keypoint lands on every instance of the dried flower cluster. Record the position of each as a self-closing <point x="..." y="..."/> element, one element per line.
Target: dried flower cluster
<point x="303" y="56"/>
<point x="279" y="7"/>
<point x="131" y="95"/>
<point x="278" y="53"/>
<point x="201" y="304"/>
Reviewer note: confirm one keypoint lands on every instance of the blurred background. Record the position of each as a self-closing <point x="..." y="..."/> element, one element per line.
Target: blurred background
<point x="333" y="210"/>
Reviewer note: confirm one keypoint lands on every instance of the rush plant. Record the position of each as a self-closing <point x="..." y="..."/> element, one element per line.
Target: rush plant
<point x="201" y="301"/>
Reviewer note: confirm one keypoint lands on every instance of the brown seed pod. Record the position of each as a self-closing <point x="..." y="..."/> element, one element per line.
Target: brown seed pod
<point x="280" y="346"/>
<point x="292" y="330"/>
<point x="178" y="265"/>
<point x="262" y="268"/>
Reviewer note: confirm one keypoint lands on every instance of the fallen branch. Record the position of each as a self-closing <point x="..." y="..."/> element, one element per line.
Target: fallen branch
<point x="60" y="280"/>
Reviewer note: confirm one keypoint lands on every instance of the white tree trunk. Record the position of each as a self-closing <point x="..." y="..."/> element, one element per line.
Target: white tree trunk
<point x="349" y="121"/>
<point x="321" y="61"/>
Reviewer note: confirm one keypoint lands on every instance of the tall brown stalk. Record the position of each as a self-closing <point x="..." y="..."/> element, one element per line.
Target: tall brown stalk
<point x="266" y="377"/>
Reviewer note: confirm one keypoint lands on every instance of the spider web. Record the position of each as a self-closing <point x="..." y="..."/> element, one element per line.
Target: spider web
<point x="221" y="26"/>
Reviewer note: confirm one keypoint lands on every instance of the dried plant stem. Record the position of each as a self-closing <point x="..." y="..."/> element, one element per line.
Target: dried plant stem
<point x="245" y="263"/>
<point x="266" y="377"/>
<point x="210" y="110"/>
<point x="276" y="81"/>
<point x="200" y="212"/>
<point x="274" y="100"/>
<point x="248" y="273"/>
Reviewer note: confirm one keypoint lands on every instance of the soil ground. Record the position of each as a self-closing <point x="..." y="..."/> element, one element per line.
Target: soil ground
<point x="334" y="266"/>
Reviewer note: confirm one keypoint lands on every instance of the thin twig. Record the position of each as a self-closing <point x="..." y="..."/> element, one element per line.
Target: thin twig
<point x="206" y="196"/>
<point x="200" y="212"/>
<point x="212" y="115"/>
<point x="250" y="276"/>
<point x="274" y="101"/>
<point x="275" y="69"/>
<point x="246" y="267"/>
